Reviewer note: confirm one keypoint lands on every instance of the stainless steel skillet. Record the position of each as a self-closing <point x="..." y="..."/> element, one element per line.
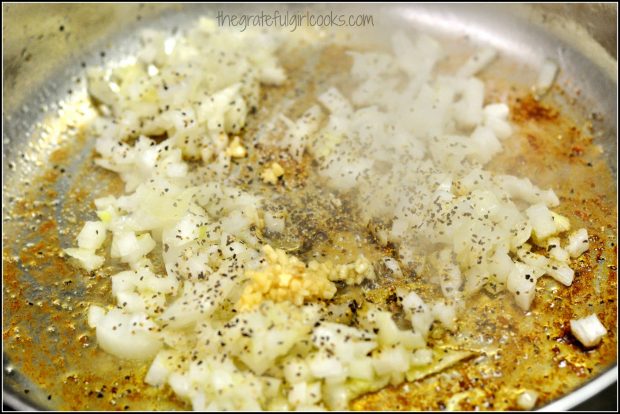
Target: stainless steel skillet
<point x="45" y="47"/>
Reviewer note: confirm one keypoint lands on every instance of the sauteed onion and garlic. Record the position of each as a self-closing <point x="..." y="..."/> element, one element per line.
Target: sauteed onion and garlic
<point x="321" y="256"/>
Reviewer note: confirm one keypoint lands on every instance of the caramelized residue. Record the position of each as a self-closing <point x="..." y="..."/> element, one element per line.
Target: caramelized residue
<point x="528" y="109"/>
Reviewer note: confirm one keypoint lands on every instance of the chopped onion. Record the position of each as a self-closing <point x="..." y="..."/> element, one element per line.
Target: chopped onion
<point x="546" y="76"/>
<point x="92" y="235"/>
<point x="556" y="251"/>
<point x="561" y="272"/>
<point x="127" y="336"/>
<point x="86" y="257"/>
<point x="589" y="330"/>
<point x="578" y="243"/>
<point x="542" y="222"/>
<point x="477" y="62"/>
<point x="95" y="313"/>
<point x="410" y="145"/>
<point x="527" y="399"/>
<point x="522" y="283"/>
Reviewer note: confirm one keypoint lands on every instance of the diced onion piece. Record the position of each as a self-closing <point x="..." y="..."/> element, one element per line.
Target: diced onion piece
<point x="484" y="144"/>
<point x="561" y="272"/>
<point x="95" y="313"/>
<point x="176" y="169"/>
<point x="556" y="251"/>
<point x="298" y="132"/>
<point x="390" y="335"/>
<point x="477" y="62"/>
<point x="324" y="366"/>
<point x="498" y="110"/>
<point x="561" y="223"/>
<point x="527" y="399"/>
<point x="335" y="102"/>
<point x="277" y="404"/>
<point x="127" y="336"/>
<point x="446" y="314"/>
<point x="521" y="283"/>
<point x="160" y="369"/>
<point x="180" y="384"/>
<point x="500" y="127"/>
<point x="186" y="230"/>
<point x="337" y="397"/>
<point x="537" y="261"/>
<point x="500" y="266"/>
<point x="103" y="203"/>
<point x="578" y="243"/>
<point x="87" y="258"/>
<point x="271" y="386"/>
<point x="182" y="312"/>
<point x="546" y="76"/>
<point x="422" y="357"/>
<point x="496" y="118"/>
<point x="589" y="330"/>
<point x="297" y="370"/>
<point x="92" y="235"/>
<point x="99" y="87"/>
<point x="391" y="360"/>
<point x="418" y="313"/>
<point x="131" y="248"/>
<point x="522" y="188"/>
<point x="542" y="222"/>
<point x="392" y="266"/>
<point x="274" y="223"/>
<point x="305" y="394"/>
<point x="145" y="245"/>
<point x="124" y="244"/>
<point x="361" y="368"/>
<point x="469" y="108"/>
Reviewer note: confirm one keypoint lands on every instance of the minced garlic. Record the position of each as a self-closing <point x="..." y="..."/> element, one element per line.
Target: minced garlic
<point x="271" y="174"/>
<point x="286" y="278"/>
<point x="235" y="149"/>
<point x="353" y="273"/>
